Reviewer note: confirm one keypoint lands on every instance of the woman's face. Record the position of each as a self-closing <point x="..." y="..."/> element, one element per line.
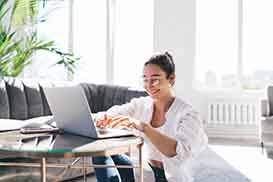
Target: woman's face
<point x="155" y="81"/>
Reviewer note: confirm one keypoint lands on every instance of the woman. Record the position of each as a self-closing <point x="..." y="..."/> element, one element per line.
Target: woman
<point x="172" y="129"/>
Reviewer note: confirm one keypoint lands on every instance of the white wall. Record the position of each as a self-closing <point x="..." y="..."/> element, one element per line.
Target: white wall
<point x="174" y="30"/>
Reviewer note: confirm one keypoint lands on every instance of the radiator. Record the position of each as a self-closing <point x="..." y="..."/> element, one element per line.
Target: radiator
<point x="229" y="117"/>
<point x="233" y="112"/>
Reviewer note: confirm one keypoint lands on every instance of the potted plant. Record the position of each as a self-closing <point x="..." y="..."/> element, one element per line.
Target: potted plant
<point x="19" y="40"/>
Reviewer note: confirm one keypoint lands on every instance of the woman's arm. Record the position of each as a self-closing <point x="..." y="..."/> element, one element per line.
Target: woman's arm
<point x="190" y="135"/>
<point x="188" y="141"/>
<point x="165" y="144"/>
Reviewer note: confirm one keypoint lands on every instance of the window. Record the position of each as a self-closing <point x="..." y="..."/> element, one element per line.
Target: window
<point x="89" y="30"/>
<point x="111" y="37"/>
<point x="217" y="40"/>
<point x="257" y="43"/>
<point x="133" y="40"/>
<point x="233" y="40"/>
<point x="55" y="27"/>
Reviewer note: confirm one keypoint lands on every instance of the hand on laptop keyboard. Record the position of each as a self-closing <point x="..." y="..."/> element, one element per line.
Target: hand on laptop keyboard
<point x="121" y="122"/>
<point x="113" y="122"/>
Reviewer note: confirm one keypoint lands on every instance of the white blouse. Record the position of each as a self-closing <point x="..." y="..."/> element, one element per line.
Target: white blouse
<point x="182" y="123"/>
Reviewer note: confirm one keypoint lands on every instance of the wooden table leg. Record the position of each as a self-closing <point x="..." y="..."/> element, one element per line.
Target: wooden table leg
<point x="43" y="169"/>
<point x="140" y="164"/>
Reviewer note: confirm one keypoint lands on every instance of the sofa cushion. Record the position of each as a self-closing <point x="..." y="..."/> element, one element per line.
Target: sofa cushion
<point x="17" y="99"/>
<point x="4" y="104"/>
<point x="91" y="96"/>
<point x="46" y="109"/>
<point x="113" y="95"/>
<point x="133" y="93"/>
<point x="102" y="97"/>
<point x="33" y="98"/>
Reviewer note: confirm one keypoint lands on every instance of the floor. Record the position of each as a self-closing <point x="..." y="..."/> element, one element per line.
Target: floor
<point x="248" y="160"/>
<point x="244" y="156"/>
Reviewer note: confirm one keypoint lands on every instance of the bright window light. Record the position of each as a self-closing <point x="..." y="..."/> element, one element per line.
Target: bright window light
<point x="55" y="27"/>
<point x="90" y="40"/>
<point x="257" y="43"/>
<point x="224" y="25"/>
<point x="216" y="41"/>
<point x="133" y="41"/>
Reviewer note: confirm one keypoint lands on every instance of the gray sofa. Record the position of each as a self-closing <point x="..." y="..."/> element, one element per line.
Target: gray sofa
<point x="24" y="99"/>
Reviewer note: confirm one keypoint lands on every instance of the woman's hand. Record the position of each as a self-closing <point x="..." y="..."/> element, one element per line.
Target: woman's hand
<point x="103" y="122"/>
<point x="136" y="124"/>
<point x="113" y="122"/>
<point x="120" y="122"/>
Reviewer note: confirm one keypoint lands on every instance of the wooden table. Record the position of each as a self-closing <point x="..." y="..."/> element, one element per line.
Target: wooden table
<point x="43" y="146"/>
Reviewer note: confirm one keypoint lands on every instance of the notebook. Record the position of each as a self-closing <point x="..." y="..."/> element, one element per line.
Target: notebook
<point x="15" y="124"/>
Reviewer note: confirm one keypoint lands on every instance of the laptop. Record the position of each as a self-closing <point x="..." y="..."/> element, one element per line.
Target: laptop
<point x="72" y="114"/>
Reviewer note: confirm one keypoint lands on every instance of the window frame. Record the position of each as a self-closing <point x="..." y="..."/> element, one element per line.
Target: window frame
<point x="239" y="60"/>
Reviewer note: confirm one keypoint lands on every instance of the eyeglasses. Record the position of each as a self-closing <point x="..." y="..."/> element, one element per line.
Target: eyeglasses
<point x="152" y="81"/>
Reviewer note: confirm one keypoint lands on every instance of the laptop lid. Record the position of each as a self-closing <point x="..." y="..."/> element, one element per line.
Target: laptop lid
<point x="72" y="114"/>
<point x="71" y="110"/>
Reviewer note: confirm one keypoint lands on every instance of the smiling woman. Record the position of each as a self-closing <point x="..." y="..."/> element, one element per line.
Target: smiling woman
<point x="172" y="130"/>
<point x="159" y="74"/>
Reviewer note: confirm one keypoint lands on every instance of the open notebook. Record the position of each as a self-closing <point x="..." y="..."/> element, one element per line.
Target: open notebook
<point x="14" y="124"/>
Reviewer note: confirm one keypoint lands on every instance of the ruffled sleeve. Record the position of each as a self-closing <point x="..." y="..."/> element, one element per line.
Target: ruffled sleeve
<point x="190" y="135"/>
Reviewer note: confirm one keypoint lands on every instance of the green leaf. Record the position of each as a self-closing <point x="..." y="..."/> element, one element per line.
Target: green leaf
<point x="23" y="11"/>
<point x="16" y="52"/>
